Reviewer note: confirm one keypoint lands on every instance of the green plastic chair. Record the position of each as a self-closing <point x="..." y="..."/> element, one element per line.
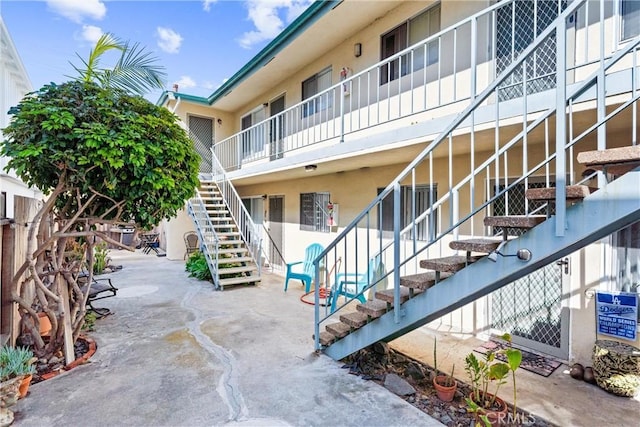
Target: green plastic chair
<point x="303" y="270"/>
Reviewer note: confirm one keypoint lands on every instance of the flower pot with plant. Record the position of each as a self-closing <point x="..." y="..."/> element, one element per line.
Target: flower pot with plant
<point x="487" y="374"/>
<point x="16" y="366"/>
<point x="445" y="385"/>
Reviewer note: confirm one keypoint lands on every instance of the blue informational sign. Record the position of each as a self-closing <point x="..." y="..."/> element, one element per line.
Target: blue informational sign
<point x="617" y="314"/>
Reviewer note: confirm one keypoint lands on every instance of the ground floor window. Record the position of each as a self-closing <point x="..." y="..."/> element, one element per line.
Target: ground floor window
<point x="314" y="215"/>
<point x="422" y="198"/>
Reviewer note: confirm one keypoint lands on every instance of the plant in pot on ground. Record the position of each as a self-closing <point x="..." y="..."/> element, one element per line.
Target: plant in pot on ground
<point x="17" y="362"/>
<point x="487" y="374"/>
<point x="445" y="385"/>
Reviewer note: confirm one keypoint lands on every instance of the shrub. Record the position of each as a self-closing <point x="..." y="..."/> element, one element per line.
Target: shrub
<point x="197" y="266"/>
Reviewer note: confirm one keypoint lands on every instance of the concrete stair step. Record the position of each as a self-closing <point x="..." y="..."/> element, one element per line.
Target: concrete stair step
<point x="548" y="194"/>
<point x="405" y="294"/>
<point x="232" y="251"/>
<point x="450" y="264"/>
<point x="326" y="338"/>
<point x="235" y="270"/>
<point x="236" y="259"/>
<point x="422" y="281"/>
<point x="476" y="245"/>
<point x="616" y="161"/>
<point x="338" y="329"/>
<point x="373" y="308"/>
<point x="514" y="221"/>
<point x="248" y="280"/>
<point x="355" y="320"/>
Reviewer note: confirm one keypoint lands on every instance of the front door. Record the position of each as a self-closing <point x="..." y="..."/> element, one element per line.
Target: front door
<point x="274" y="245"/>
<point x="533" y="309"/>
<point x="276" y="128"/>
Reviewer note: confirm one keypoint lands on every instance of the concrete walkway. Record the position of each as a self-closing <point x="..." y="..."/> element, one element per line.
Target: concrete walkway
<point x="177" y="353"/>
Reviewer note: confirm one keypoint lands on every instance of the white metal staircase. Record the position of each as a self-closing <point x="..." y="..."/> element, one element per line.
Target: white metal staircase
<point x="542" y="145"/>
<point x="228" y="255"/>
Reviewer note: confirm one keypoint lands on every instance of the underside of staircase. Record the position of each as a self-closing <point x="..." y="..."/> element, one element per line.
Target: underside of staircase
<point x="486" y="264"/>
<point x="229" y="258"/>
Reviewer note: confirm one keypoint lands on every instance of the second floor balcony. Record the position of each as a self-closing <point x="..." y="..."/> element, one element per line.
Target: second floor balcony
<point x="411" y="96"/>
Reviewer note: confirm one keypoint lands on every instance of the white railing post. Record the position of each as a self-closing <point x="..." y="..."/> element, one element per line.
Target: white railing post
<point x="396" y="250"/>
<point x="561" y="124"/>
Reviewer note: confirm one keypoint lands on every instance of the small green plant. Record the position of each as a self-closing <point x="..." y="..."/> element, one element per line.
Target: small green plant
<point x="197" y="266"/>
<point x="491" y="372"/>
<point x="477" y="412"/>
<point x="89" y="324"/>
<point x="449" y="381"/>
<point x="15" y="362"/>
<point x="100" y="258"/>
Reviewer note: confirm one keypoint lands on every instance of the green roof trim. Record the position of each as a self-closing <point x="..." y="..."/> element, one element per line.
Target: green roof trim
<point x="307" y="18"/>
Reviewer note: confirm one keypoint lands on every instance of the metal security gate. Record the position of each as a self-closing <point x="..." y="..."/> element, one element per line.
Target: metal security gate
<point x="531" y="308"/>
<point x="201" y="131"/>
<point x="516" y="28"/>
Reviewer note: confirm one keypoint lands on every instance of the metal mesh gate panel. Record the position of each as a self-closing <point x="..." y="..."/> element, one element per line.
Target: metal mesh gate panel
<point x="201" y="133"/>
<point x="530" y="307"/>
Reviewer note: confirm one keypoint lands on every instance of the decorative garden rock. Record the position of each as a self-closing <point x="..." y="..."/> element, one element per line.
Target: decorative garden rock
<point x="616" y="367"/>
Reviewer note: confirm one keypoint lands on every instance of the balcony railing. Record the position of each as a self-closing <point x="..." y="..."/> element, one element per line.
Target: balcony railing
<point x="437" y="77"/>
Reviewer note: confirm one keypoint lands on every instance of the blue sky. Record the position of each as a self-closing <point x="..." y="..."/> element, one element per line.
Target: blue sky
<point x="201" y="43"/>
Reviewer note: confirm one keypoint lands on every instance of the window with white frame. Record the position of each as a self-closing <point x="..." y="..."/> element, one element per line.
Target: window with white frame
<point x="421" y="201"/>
<point x="253" y="138"/>
<point x="312" y="87"/>
<point x="407" y="34"/>
<point x="630" y="12"/>
<point x="314" y="215"/>
<point x="625" y="260"/>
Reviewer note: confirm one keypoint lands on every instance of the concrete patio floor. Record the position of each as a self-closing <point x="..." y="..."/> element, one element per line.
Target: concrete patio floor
<point x="177" y="353"/>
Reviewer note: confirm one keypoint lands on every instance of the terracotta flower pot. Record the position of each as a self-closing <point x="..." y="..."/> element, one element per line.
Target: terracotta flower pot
<point x="445" y="393"/>
<point x="497" y="414"/>
<point x="45" y="324"/>
<point x="24" y="385"/>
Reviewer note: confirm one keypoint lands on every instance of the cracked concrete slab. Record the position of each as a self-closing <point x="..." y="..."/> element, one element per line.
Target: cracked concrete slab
<point x="177" y="353"/>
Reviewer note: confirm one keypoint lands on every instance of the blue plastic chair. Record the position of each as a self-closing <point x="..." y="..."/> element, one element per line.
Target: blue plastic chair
<point x="304" y="270"/>
<point x="350" y="285"/>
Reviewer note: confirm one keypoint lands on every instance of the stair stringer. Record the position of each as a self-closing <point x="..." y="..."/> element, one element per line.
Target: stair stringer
<point x="605" y="211"/>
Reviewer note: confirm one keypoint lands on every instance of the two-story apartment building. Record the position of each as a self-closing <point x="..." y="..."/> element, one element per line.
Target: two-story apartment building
<point x="385" y="130"/>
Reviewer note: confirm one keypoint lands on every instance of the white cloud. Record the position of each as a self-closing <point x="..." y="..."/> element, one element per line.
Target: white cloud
<point x="266" y="17"/>
<point x="168" y="40"/>
<point x="186" y="82"/>
<point x="208" y="85"/>
<point x="206" y="4"/>
<point x="91" y="33"/>
<point x="77" y="10"/>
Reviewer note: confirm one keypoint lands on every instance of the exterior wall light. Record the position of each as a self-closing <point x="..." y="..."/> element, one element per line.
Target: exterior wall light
<point x="357" y="49"/>
<point x="310" y="168"/>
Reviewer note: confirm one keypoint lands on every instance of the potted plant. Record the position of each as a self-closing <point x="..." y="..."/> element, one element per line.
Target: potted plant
<point x="487" y="375"/>
<point x="17" y="362"/>
<point x="445" y="385"/>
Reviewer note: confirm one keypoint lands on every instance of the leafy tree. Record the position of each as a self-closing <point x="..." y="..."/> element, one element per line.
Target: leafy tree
<point x="104" y="157"/>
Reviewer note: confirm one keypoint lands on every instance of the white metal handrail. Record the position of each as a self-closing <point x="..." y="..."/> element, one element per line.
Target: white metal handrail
<point x="207" y="235"/>
<point x="250" y="233"/>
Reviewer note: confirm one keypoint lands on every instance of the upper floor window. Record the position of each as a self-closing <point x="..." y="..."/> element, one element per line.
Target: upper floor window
<point x="630" y="11"/>
<point x="313" y="86"/>
<point x="314" y="214"/>
<point x="407" y="34"/>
